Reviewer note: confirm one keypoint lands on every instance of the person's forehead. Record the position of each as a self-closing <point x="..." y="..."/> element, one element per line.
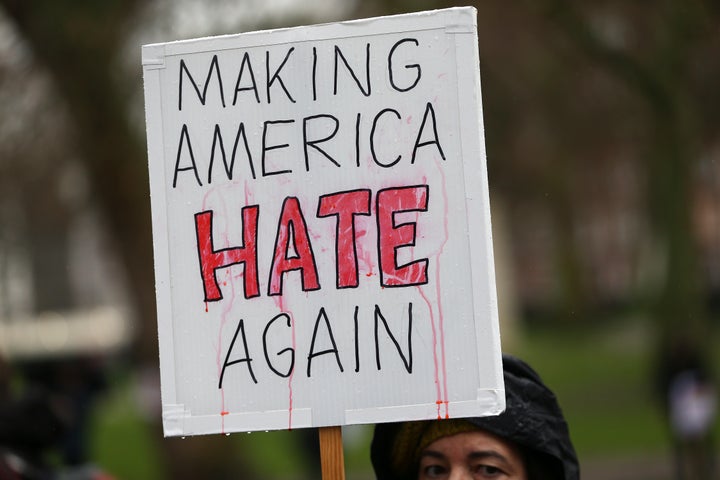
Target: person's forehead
<point x="467" y="443"/>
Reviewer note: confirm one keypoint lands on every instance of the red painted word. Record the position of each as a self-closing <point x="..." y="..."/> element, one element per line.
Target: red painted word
<point x="293" y="250"/>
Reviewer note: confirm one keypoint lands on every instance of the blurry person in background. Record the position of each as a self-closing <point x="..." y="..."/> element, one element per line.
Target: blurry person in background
<point x="32" y="423"/>
<point x="77" y="381"/>
<point x="530" y="440"/>
<point x="38" y="423"/>
<point x="689" y="398"/>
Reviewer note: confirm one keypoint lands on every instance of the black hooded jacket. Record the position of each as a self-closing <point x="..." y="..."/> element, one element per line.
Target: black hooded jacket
<point x="532" y="420"/>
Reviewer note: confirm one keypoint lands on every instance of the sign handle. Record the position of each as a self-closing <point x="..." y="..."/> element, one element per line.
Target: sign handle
<point x="332" y="461"/>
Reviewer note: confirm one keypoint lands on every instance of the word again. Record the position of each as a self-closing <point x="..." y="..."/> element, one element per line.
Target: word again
<point x="293" y="249"/>
<point x="282" y="363"/>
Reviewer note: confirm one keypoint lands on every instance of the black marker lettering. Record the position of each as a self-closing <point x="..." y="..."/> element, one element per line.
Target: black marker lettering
<point x="276" y="76"/>
<point x="357" y="139"/>
<point x="217" y="139"/>
<point x="266" y="148"/>
<point x="314" y="74"/>
<point x="245" y="359"/>
<point x="253" y="86"/>
<point x="407" y="361"/>
<point x="435" y="141"/>
<point x="185" y="138"/>
<point x="372" y="138"/>
<point x="414" y="66"/>
<point x="241" y="132"/>
<point x="281" y="352"/>
<point x="214" y="67"/>
<point x="357" y="340"/>
<point x="338" y="54"/>
<point x="313" y="143"/>
<point x="334" y="349"/>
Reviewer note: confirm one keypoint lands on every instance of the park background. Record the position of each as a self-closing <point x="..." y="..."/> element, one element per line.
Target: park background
<point x="603" y="137"/>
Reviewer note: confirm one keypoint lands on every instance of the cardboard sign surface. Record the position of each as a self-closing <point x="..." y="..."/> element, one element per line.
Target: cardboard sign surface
<point x="321" y="226"/>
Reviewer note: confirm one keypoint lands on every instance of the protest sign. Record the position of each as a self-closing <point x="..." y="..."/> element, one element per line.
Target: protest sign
<point x="321" y="226"/>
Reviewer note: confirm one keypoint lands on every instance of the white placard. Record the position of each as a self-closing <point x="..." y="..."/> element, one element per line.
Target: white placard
<point x="321" y="226"/>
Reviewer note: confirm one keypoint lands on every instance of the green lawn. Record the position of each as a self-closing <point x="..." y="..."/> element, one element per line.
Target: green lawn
<point x="122" y="443"/>
<point x="604" y="381"/>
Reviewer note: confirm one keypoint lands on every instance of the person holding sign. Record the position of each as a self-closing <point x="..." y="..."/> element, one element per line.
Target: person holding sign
<point x="528" y="441"/>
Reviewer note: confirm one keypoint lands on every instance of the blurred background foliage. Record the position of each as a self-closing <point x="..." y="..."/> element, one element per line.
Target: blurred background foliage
<point x="603" y="136"/>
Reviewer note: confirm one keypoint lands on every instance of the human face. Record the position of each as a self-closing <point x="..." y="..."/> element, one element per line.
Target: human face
<point x="471" y="456"/>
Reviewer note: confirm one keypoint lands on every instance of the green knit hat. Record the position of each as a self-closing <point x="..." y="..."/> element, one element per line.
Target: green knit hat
<point x="413" y="437"/>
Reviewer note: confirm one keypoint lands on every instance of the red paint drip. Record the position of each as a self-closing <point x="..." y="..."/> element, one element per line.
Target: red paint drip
<point x="290" y="389"/>
<point x="441" y="391"/>
<point x="442" y="343"/>
<point x="436" y="363"/>
<point x="223" y="412"/>
<point x="437" y="292"/>
<point x="206" y="307"/>
<point x="280" y="304"/>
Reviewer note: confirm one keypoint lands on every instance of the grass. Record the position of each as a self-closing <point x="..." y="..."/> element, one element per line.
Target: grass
<point x="604" y="381"/>
<point x="122" y="442"/>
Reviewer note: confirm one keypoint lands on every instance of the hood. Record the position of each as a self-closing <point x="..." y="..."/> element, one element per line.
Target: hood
<point x="532" y="420"/>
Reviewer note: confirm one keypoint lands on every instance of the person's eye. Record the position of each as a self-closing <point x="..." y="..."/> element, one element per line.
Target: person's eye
<point x="433" y="471"/>
<point x="488" y="471"/>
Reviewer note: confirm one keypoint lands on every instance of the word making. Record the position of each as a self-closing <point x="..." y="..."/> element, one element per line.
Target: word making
<point x="293" y="250"/>
<point x="283" y="69"/>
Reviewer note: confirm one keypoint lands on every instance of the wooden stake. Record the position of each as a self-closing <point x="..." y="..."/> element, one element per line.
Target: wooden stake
<point x="332" y="460"/>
